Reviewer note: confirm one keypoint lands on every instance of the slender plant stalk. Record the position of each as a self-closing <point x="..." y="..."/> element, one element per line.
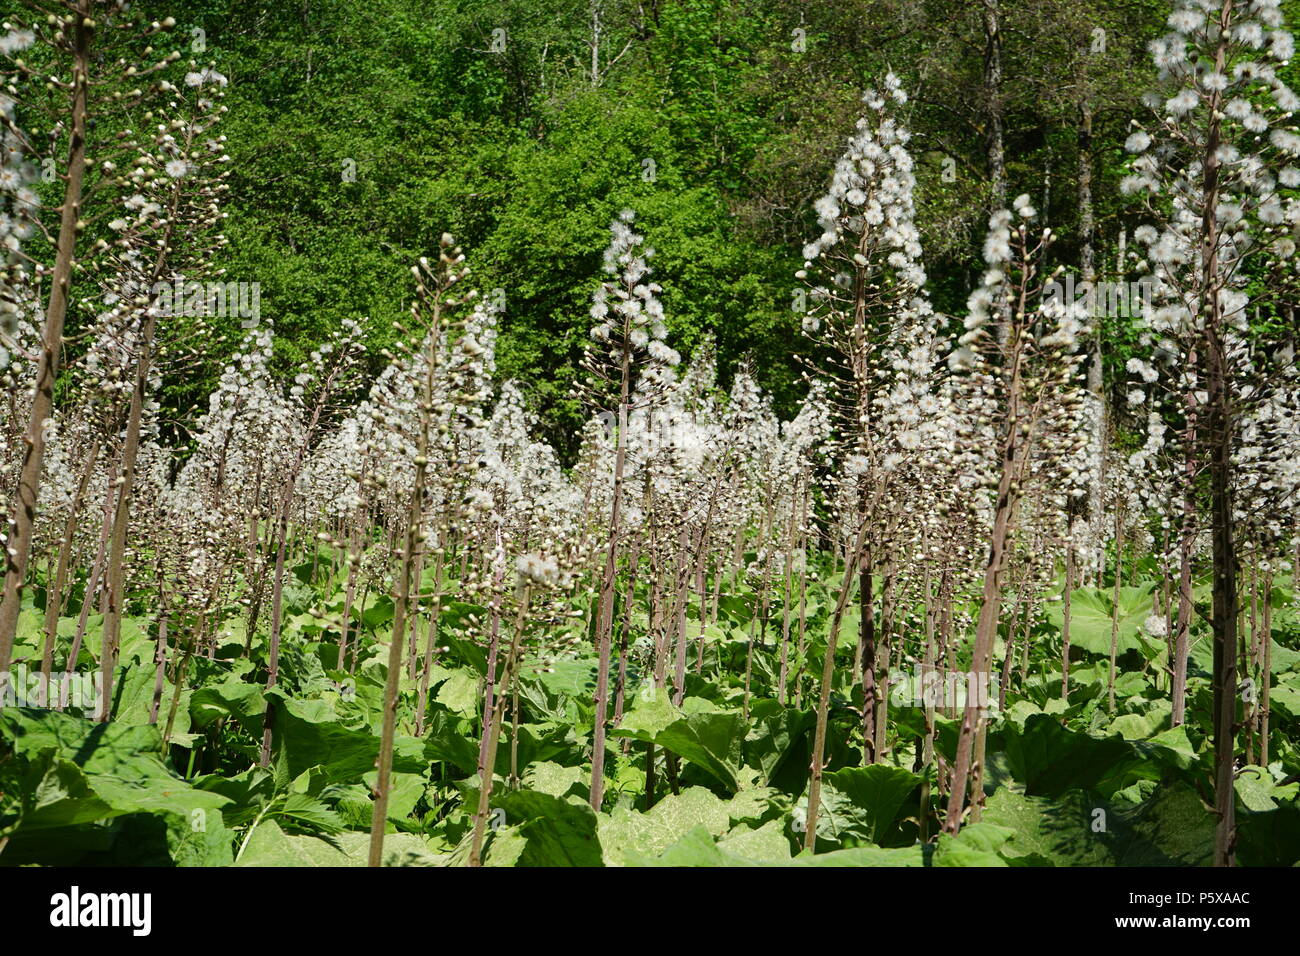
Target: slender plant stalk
<point x="23" y="513"/>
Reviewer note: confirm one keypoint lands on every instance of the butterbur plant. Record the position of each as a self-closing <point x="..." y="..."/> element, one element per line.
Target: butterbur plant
<point x="329" y="371"/>
<point x="535" y="574"/>
<point x="879" y="578"/>
<point x="69" y="33"/>
<point x="870" y="311"/>
<point x="1009" y="368"/>
<point x="1217" y="170"/>
<point x="435" y="314"/>
<point x="182" y="170"/>
<point x="628" y="360"/>
<point x="20" y="205"/>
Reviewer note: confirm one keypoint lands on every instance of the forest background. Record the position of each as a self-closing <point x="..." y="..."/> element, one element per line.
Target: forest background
<point x="359" y="132"/>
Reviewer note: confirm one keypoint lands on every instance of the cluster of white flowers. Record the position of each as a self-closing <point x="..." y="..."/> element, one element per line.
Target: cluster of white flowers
<point x="871" y="196"/>
<point x="15" y="41"/>
<point x="19" y="204"/>
<point x="627" y="309"/>
<point x="538" y="570"/>
<point x="1155" y="626"/>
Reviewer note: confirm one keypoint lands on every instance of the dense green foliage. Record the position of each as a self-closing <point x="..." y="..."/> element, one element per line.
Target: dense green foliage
<point x="703" y="117"/>
<point x="1069" y="783"/>
<point x="260" y="559"/>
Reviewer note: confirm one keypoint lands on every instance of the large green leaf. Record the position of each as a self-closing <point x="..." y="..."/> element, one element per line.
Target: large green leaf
<point x="1090" y="620"/>
<point x="698" y="848"/>
<point x="1079" y="828"/>
<point x="698" y="732"/>
<point x="163" y="819"/>
<point x="778" y="735"/>
<point x="232" y="698"/>
<point x="558" y="831"/>
<point x="976" y="844"/>
<point x="57" y="794"/>
<point x="625" y="831"/>
<point x="269" y="845"/>
<point x="1050" y="759"/>
<point x="864" y="801"/>
<point x="310" y="733"/>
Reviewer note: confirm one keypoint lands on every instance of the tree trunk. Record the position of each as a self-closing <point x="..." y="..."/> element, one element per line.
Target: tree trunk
<point x="994" y="145"/>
